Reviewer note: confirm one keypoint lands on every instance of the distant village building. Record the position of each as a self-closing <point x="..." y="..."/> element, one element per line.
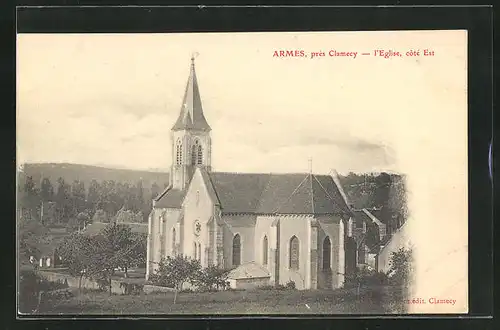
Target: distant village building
<point x="268" y="228"/>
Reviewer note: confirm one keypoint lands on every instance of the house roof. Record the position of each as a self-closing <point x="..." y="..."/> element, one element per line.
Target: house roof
<point x="96" y="227"/>
<point x="372" y="237"/>
<point x="191" y="116"/>
<point x="54" y="238"/>
<point x="248" y="270"/>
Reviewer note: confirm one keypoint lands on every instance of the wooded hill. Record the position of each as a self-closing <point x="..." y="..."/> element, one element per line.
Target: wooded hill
<point x="87" y="173"/>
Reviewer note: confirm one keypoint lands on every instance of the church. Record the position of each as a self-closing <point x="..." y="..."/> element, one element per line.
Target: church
<point x="268" y="228"/>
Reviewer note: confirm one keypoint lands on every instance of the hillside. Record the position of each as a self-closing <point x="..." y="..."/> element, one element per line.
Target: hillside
<point x="87" y="173"/>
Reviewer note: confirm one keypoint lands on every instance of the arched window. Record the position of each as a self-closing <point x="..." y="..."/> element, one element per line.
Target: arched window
<point x="349" y="227"/>
<point x="194" y="152"/>
<point x="200" y="155"/>
<point x="162" y="246"/>
<point x="294" y="253"/>
<point x="178" y="155"/>
<point x="236" y="250"/>
<point x="195" y="254"/>
<point x="193" y="155"/>
<point x="264" y="250"/>
<point x="173" y="242"/>
<point x="199" y="251"/>
<point x="327" y="253"/>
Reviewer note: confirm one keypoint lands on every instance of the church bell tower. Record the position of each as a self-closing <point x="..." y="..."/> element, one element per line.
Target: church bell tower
<point x="190" y="136"/>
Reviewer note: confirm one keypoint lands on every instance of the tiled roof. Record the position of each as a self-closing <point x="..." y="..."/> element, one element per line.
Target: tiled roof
<point x="266" y="193"/>
<point x="96" y="227"/>
<point x="372" y="237"/>
<point x="239" y="192"/>
<point x="191" y="116"/>
<point x="170" y="198"/>
<point x="278" y="193"/>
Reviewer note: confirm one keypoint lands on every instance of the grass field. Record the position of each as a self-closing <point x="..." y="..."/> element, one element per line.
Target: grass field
<point x="227" y="302"/>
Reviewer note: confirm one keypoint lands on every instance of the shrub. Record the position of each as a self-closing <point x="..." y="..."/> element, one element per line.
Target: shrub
<point x="174" y="272"/>
<point x="290" y="285"/>
<point x="365" y="278"/>
<point x="211" y="278"/>
<point x="28" y="291"/>
<point x="280" y="287"/>
<point x="31" y="285"/>
<point x="401" y="267"/>
<point x="266" y="287"/>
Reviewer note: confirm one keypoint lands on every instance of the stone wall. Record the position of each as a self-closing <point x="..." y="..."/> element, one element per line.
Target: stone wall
<point x="154" y="288"/>
<point x="73" y="282"/>
<point x="249" y="283"/>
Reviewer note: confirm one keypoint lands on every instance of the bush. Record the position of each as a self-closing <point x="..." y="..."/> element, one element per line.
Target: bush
<point x="365" y="278"/>
<point x="290" y="285"/>
<point x="31" y="285"/>
<point x="266" y="287"/>
<point x="211" y="278"/>
<point x="174" y="272"/>
<point x="28" y="291"/>
<point x="280" y="287"/>
<point x="401" y="267"/>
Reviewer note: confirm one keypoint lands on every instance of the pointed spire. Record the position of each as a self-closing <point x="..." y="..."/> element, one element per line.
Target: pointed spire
<point x="191" y="114"/>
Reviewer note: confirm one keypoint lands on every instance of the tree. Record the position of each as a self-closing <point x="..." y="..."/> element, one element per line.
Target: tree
<point x="107" y="197"/>
<point x="32" y="235"/>
<point x="63" y="204"/>
<point x="212" y="277"/>
<point x="175" y="271"/>
<point x="76" y="252"/>
<point x="78" y="197"/>
<point x="140" y="216"/>
<point x="155" y="190"/>
<point x="127" y="248"/>
<point x="80" y="221"/>
<point x="47" y="190"/>
<point x="29" y="186"/>
<point x="103" y="265"/>
<point x="397" y="204"/>
<point x="93" y="196"/>
<point x="401" y="267"/>
<point x="133" y="252"/>
<point x="139" y="193"/>
<point x="29" y="199"/>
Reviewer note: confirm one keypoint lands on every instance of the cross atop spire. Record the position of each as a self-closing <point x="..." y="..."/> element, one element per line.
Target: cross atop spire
<point x="191" y="115"/>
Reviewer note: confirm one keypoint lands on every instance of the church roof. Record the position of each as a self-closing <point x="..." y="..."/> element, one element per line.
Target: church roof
<point x="170" y="198"/>
<point x="191" y="116"/>
<point x="266" y="193"/>
<point x="278" y="193"/>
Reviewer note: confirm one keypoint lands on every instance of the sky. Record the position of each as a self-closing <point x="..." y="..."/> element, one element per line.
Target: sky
<point x="112" y="99"/>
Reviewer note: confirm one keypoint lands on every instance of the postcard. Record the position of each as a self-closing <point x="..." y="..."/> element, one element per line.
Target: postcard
<point x="242" y="173"/>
